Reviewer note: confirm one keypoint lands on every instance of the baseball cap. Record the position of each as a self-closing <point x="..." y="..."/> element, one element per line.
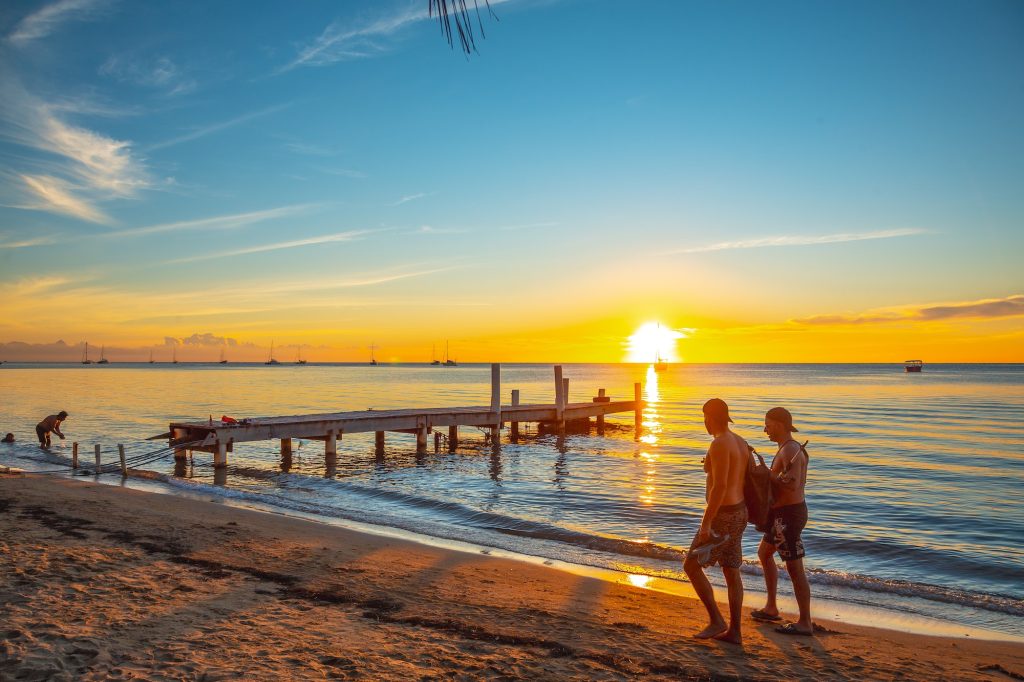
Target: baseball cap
<point x="716" y="407"/>
<point x="781" y="414"/>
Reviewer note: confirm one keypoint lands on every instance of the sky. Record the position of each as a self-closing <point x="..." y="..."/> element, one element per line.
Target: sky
<point x="761" y="182"/>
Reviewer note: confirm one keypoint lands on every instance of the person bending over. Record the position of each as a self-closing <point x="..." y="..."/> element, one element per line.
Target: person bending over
<point x="50" y="425"/>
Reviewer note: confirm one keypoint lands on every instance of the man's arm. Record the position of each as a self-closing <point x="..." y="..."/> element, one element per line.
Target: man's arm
<point x="56" y="429"/>
<point x="718" y="457"/>
<point x="792" y="468"/>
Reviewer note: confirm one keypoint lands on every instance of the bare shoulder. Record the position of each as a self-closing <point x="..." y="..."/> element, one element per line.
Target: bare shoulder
<point x="791" y="450"/>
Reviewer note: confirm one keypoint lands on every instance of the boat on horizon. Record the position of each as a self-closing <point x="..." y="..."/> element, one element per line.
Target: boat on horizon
<point x="270" y="359"/>
<point x="913" y="365"/>
<point x="298" y="357"/>
<point x="151" y="357"/>
<point x="433" y="356"/>
<point x="103" y="356"/>
<point x="223" y="358"/>
<point x="373" y="359"/>
<point x="174" y="356"/>
<point x="85" y="355"/>
<point x="448" y="362"/>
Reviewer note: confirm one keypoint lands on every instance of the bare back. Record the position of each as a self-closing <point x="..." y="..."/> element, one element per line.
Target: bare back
<point x="726" y="467"/>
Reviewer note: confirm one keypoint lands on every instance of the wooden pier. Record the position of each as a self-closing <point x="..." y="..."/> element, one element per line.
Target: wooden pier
<point x="219" y="438"/>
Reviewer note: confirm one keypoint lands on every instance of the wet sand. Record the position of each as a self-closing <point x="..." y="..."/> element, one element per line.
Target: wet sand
<point x="99" y="582"/>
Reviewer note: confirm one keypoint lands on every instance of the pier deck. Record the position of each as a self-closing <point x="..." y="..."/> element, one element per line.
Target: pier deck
<point x="219" y="438"/>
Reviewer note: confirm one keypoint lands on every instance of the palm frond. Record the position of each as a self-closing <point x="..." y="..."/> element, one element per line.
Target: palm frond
<point x="458" y="12"/>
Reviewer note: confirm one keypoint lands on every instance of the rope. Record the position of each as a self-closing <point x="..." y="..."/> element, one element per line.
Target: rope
<point x="133" y="462"/>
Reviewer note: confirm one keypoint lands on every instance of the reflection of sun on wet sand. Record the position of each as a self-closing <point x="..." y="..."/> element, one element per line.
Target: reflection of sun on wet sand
<point x="102" y="582"/>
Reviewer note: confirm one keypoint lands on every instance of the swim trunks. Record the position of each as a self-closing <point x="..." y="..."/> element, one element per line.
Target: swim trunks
<point x="787" y="523"/>
<point x="731" y="520"/>
<point x="43" y="433"/>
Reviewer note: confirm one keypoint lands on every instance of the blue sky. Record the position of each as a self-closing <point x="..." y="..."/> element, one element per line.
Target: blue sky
<point x="332" y="172"/>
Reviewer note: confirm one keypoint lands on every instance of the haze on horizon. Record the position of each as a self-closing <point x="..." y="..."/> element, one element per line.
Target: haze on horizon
<point x="795" y="182"/>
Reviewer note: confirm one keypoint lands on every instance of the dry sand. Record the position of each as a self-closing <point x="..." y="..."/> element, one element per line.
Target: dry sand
<point x="99" y="582"/>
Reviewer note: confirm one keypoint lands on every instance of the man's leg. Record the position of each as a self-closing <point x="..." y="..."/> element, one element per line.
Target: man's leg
<point x="735" y="582"/>
<point x="766" y="553"/>
<point x="702" y="586"/>
<point x="802" y="592"/>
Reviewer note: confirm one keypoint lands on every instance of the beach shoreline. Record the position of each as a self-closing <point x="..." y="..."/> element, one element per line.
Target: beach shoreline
<point x="108" y="582"/>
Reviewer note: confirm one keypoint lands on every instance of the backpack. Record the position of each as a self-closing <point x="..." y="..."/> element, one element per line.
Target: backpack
<point x="757" y="492"/>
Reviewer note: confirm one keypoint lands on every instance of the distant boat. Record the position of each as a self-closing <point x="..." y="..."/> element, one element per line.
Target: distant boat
<point x="433" y="356"/>
<point x="912" y="365"/>
<point x="174" y="356"/>
<point x="103" y="357"/>
<point x="85" y="355"/>
<point x="151" y="357"/>
<point x="448" y="362"/>
<point x="223" y="359"/>
<point x="298" y="357"/>
<point x="373" y="360"/>
<point x="660" y="365"/>
<point x="270" y="359"/>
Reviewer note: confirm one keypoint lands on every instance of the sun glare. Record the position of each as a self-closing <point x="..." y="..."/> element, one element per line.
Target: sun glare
<point x="653" y="341"/>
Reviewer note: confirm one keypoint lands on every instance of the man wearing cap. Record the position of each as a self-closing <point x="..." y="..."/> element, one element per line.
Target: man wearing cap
<point x="721" y="528"/>
<point x="48" y="425"/>
<point x="788" y="518"/>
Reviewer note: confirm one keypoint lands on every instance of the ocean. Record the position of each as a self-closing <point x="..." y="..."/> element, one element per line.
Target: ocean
<point x="915" y="485"/>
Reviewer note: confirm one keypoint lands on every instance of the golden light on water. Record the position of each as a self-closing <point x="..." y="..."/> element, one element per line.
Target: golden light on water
<point x="653" y="341"/>
<point x="637" y="580"/>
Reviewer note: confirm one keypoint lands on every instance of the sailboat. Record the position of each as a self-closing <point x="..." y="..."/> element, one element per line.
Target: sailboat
<point x="174" y="356"/>
<point x="433" y="356"/>
<point x="103" y="356"/>
<point x="373" y="360"/>
<point x="223" y="359"/>
<point x="660" y="363"/>
<point x="271" y="360"/>
<point x="85" y="355"/>
<point x="151" y="357"/>
<point x="298" y="357"/>
<point x="448" y="362"/>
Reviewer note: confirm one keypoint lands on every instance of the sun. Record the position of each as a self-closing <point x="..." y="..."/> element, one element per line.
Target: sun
<point x="653" y="341"/>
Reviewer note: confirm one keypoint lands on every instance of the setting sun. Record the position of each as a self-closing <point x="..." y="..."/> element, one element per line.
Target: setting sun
<point x="652" y="342"/>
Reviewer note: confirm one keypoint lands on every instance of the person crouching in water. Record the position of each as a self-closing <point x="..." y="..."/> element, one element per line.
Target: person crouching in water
<point x="48" y="425"/>
<point x="788" y="518"/>
<point x="721" y="529"/>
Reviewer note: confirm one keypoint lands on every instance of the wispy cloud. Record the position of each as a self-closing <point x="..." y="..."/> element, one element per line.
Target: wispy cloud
<point x="412" y="197"/>
<point x="989" y="308"/>
<point x="801" y="240"/>
<point x="222" y="222"/>
<point x="73" y="168"/>
<point x="45" y="21"/>
<point x="28" y="286"/>
<point x="310" y="241"/>
<point x="53" y="195"/>
<point x="217" y="127"/>
<point x="346" y="172"/>
<point x="158" y="73"/>
<point x="427" y="229"/>
<point x="25" y="243"/>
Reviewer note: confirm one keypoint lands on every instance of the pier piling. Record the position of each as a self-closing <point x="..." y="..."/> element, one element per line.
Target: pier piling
<point x="638" y="411"/>
<point x="514" y="426"/>
<point x="97" y="459"/>
<point x="120" y="455"/>
<point x="453" y="437"/>
<point x="74" y="455"/>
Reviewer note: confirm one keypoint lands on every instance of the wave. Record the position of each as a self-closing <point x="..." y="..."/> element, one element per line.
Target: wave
<point x="426" y="513"/>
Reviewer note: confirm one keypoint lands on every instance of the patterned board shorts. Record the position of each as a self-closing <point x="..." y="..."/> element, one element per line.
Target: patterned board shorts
<point x="787" y="524"/>
<point x="732" y="520"/>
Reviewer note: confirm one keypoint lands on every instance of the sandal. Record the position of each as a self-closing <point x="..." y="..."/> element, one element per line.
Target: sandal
<point x="791" y="629"/>
<point x="759" y="614"/>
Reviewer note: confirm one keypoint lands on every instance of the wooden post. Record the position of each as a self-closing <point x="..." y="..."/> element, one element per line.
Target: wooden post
<point x="421" y="439"/>
<point x="124" y="467"/>
<point x="638" y="410"/>
<point x="559" y="406"/>
<point x="453" y="437"/>
<point x="97" y="459"/>
<point x="74" y="455"/>
<point x="220" y="458"/>
<point x="180" y="454"/>
<point x="600" y="418"/>
<point x="437" y="442"/>
<point x="378" y="442"/>
<point x="565" y="393"/>
<point x="286" y="448"/>
<point x="515" y="425"/>
<point x="496" y="392"/>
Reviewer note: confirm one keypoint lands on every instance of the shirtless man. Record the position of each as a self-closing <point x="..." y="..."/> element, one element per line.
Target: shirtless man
<point x="48" y="425"/>
<point x="725" y="518"/>
<point x="788" y="518"/>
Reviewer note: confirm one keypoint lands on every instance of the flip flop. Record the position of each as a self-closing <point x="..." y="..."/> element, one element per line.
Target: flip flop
<point x="760" y="615"/>
<point x="790" y="629"/>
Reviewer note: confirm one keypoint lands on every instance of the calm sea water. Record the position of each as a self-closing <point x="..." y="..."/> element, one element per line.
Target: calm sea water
<point x="915" y="485"/>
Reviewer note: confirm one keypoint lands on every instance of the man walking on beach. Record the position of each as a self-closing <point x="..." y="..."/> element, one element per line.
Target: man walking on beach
<point x="788" y="518"/>
<point x="721" y="529"/>
<point x="48" y="425"/>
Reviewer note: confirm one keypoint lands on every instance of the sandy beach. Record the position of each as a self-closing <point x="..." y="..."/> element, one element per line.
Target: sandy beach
<point x="100" y="582"/>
